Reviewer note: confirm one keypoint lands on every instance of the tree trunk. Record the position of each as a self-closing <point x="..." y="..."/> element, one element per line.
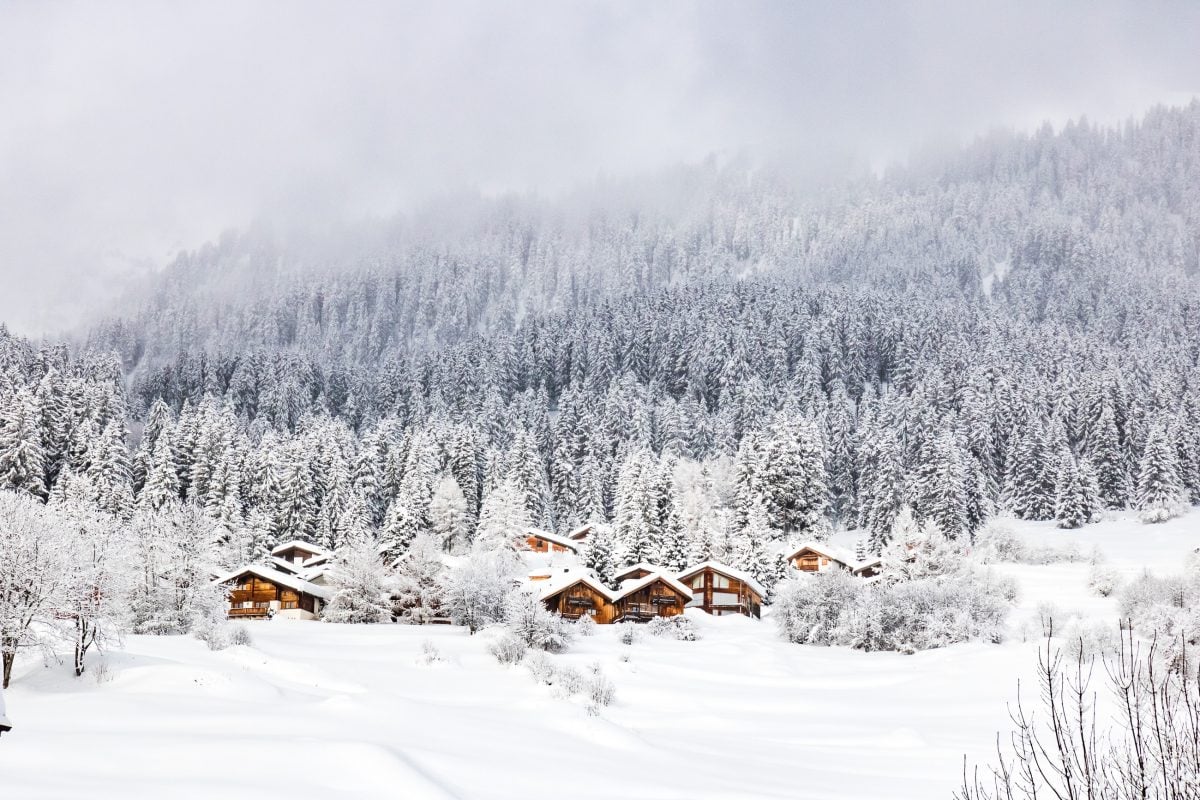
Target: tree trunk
<point x="9" y="658"/>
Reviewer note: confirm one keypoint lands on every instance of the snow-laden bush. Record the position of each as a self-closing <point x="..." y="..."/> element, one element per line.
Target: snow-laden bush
<point x="570" y="681"/>
<point x="541" y="668"/>
<point x="585" y="625"/>
<point x="223" y="635"/>
<point x="1085" y="639"/>
<point x="528" y="619"/>
<point x="999" y="543"/>
<point x="429" y="653"/>
<point x="630" y="633"/>
<point x="1103" y="579"/>
<point x="475" y="593"/>
<point x="600" y="690"/>
<point x="676" y="627"/>
<point x="508" y="648"/>
<point x="932" y="598"/>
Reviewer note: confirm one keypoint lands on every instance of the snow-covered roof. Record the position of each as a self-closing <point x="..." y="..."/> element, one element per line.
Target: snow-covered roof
<point x="727" y="571"/>
<point x="561" y="583"/>
<point x="285" y="565"/>
<point x="299" y="545"/>
<point x="278" y="577"/>
<point x="629" y="587"/>
<point x="641" y="565"/>
<point x="827" y="550"/>
<point x="581" y="532"/>
<point x="872" y="563"/>
<point x="554" y="538"/>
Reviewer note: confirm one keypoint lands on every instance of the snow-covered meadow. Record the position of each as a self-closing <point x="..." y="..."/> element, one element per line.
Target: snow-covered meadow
<point x="314" y="710"/>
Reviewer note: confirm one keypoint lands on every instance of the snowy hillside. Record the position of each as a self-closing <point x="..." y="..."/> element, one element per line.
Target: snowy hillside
<point x="322" y="711"/>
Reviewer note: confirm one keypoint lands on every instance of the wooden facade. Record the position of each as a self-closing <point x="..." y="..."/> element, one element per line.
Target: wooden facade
<point x="581" y="598"/>
<point x="252" y="596"/>
<point x="815" y="559"/>
<point x="542" y="542"/>
<point x="716" y="591"/>
<point x="258" y="592"/>
<point x="652" y="597"/>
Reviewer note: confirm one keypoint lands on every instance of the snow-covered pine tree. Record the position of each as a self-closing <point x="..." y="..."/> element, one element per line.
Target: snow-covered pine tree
<point x="1160" y="495"/>
<point x="360" y="584"/>
<point x="1075" y="501"/>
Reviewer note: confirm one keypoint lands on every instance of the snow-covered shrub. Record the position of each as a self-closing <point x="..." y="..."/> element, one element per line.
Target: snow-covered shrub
<point x="416" y="587"/>
<point x="676" y="627"/>
<point x="999" y="543"/>
<point x="222" y="635"/>
<point x="1147" y="590"/>
<point x="475" y="593"/>
<point x="943" y="601"/>
<point x="429" y="653"/>
<point x="508" y="648"/>
<point x="570" y="681"/>
<point x="527" y="618"/>
<point x="814" y="609"/>
<point x="600" y="690"/>
<point x="1084" y="639"/>
<point x="630" y="633"/>
<point x="585" y="625"/>
<point x="541" y="668"/>
<point x="1103" y="579"/>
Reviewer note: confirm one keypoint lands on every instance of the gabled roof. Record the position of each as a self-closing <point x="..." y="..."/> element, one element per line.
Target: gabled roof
<point x="299" y="545"/>
<point x="561" y="584"/>
<point x="582" y="532"/>
<point x="820" y="548"/>
<point x="629" y="587"/>
<point x="875" y="563"/>
<point x="554" y="538"/>
<point x="727" y="571"/>
<point x="643" y="565"/>
<point x="287" y="566"/>
<point x="278" y="577"/>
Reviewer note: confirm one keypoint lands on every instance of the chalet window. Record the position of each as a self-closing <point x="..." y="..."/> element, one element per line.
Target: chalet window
<point x="698" y="581"/>
<point x="289" y="603"/>
<point x="262" y="604"/>
<point x="720" y="582"/>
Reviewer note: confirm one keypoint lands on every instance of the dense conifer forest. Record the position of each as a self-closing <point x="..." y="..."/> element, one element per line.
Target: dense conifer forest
<point x="706" y="362"/>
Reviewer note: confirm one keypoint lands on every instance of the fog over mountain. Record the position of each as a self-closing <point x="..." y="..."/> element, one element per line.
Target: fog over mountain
<point x="134" y="130"/>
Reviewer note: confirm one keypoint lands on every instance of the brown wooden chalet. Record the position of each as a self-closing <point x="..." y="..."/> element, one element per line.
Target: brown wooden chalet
<point x="543" y="542"/>
<point x="579" y="595"/>
<point x="655" y="595"/>
<point x="719" y="589"/>
<point x="257" y="592"/>
<point x="814" y="557"/>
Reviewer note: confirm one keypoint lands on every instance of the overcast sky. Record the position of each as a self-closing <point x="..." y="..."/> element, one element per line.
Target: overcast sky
<point x="131" y="130"/>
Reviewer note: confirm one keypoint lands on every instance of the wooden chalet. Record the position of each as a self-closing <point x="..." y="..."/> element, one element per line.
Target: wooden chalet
<point x="543" y="542"/>
<point x="815" y="557"/>
<point x="719" y="589"/>
<point x="298" y="552"/>
<point x="257" y="592"/>
<point x="655" y="595"/>
<point x="579" y="595"/>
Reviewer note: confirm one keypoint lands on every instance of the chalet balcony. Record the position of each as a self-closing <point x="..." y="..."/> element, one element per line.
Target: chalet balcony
<point x="246" y="613"/>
